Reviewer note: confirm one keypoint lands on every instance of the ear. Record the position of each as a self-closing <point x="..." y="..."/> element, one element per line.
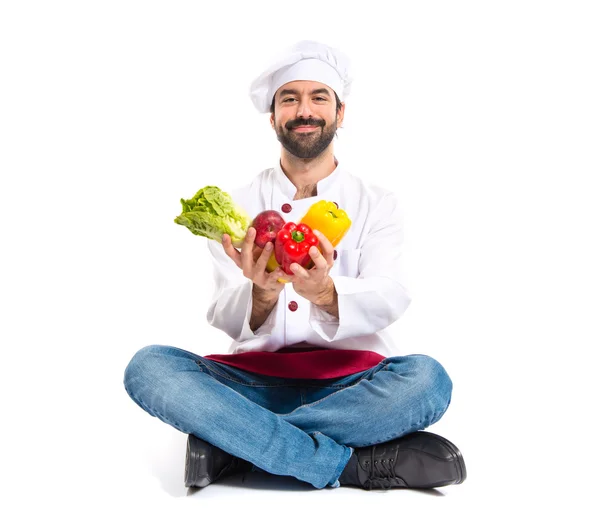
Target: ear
<point x="340" y="114"/>
<point x="272" y="120"/>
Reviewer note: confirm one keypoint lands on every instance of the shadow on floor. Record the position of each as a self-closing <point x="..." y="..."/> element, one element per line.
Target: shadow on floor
<point x="268" y="482"/>
<point x="260" y="481"/>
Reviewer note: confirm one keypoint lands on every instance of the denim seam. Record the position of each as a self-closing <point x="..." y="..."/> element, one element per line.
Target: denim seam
<point x="239" y="382"/>
<point x="262" y="384"/>
<point x="308" y="405"/>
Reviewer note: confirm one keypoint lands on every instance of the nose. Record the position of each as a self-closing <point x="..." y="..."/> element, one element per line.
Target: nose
<point x="304" y="108"/>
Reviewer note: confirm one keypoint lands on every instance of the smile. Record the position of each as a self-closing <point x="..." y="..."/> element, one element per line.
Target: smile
<point x="304" y="128"/>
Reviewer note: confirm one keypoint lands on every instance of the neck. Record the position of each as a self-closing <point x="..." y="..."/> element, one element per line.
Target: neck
<point x="305" y="173"/>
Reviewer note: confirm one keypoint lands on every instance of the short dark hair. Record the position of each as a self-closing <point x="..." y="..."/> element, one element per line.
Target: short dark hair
<point x="338" y="104"/>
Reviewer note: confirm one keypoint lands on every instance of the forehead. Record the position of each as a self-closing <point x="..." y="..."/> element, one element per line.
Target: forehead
<point x="302" y="87"/>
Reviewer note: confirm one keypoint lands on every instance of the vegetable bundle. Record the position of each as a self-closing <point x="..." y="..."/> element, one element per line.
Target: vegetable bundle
<point x="212" y="212"/>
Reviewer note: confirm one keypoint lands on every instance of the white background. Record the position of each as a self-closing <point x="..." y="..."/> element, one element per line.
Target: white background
<point x="482" y="116"/>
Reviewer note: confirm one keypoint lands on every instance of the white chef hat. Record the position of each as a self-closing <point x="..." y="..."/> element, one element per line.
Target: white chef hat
<point x="305" y="61"/>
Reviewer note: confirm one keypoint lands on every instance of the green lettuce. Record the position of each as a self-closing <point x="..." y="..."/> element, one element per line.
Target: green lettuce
<point x="212" y="212"/>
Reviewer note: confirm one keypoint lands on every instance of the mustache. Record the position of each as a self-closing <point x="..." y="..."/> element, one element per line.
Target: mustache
<point x="304" y="122"/>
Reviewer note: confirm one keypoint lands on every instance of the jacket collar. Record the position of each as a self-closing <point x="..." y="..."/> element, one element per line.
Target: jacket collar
<point x="289" y="189"/>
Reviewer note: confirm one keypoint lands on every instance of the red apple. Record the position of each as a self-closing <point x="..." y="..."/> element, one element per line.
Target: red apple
<point x="267" y="225"/>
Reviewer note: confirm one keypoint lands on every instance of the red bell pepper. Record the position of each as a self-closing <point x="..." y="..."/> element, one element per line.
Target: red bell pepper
<point x="292" y="245"/>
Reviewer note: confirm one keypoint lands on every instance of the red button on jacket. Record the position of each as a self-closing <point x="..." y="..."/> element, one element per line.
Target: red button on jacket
<point x="286" y="208"/>
<point x="293" y="306"/>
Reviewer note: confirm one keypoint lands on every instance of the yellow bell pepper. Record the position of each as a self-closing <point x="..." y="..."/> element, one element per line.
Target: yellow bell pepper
<point x="325" y="216"/>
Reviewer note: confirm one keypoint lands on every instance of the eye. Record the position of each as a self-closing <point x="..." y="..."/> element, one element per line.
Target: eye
<point x="288" y="99"/>
<point x="320" y="99"/>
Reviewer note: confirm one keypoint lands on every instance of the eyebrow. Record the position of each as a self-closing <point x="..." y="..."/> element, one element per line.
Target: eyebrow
<point x="287" y="91"/>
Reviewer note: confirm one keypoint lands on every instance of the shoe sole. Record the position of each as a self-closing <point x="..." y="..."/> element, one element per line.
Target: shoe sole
<point x="196" y="463"/>
<point x="460" y="462"/>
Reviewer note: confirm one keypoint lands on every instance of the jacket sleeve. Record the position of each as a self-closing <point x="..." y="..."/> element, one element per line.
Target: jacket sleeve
<point x="231" y="305"/>
<point x="378" y="296"/>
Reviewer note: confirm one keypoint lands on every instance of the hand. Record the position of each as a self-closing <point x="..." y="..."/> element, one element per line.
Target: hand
<point x="252" y="260"/>
<point x="315" y="284"/>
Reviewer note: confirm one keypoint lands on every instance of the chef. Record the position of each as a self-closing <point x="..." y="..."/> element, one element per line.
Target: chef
<point x="312" y="385"/>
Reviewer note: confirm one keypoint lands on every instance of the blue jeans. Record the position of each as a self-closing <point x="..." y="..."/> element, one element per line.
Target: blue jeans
<point x="297" y="427"/>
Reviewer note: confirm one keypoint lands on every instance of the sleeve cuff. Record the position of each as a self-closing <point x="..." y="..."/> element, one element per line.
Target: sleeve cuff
<point x="232" y="311"/>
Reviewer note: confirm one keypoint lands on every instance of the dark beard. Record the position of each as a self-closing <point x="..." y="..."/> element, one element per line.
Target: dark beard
<point x="306" y="146"/>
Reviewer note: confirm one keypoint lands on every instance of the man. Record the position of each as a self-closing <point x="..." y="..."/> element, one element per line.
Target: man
<point x="311" y="386"/>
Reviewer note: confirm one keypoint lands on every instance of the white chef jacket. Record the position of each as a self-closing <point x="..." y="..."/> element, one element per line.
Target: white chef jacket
<point x="367" y="273"/>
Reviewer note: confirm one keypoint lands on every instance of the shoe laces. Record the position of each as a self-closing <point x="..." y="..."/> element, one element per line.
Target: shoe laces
<point x="381" y="473"/>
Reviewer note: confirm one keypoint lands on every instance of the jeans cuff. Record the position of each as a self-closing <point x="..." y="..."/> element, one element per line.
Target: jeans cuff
<point x="335" y="482"/>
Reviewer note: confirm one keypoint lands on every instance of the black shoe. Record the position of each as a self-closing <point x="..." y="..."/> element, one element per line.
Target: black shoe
<point x="417" y="460"/>
<point x="205" y="463"/>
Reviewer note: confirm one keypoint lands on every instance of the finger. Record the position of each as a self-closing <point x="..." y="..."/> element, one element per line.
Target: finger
<point x="261" y="262"/>
<point x="256" y="252"/>
<point x="231" y="252"/>
<point x="299" y="271"/>
<point x="319" y="260"/>
<point x="326" y="246"/>
<point x="247" y="250"/>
